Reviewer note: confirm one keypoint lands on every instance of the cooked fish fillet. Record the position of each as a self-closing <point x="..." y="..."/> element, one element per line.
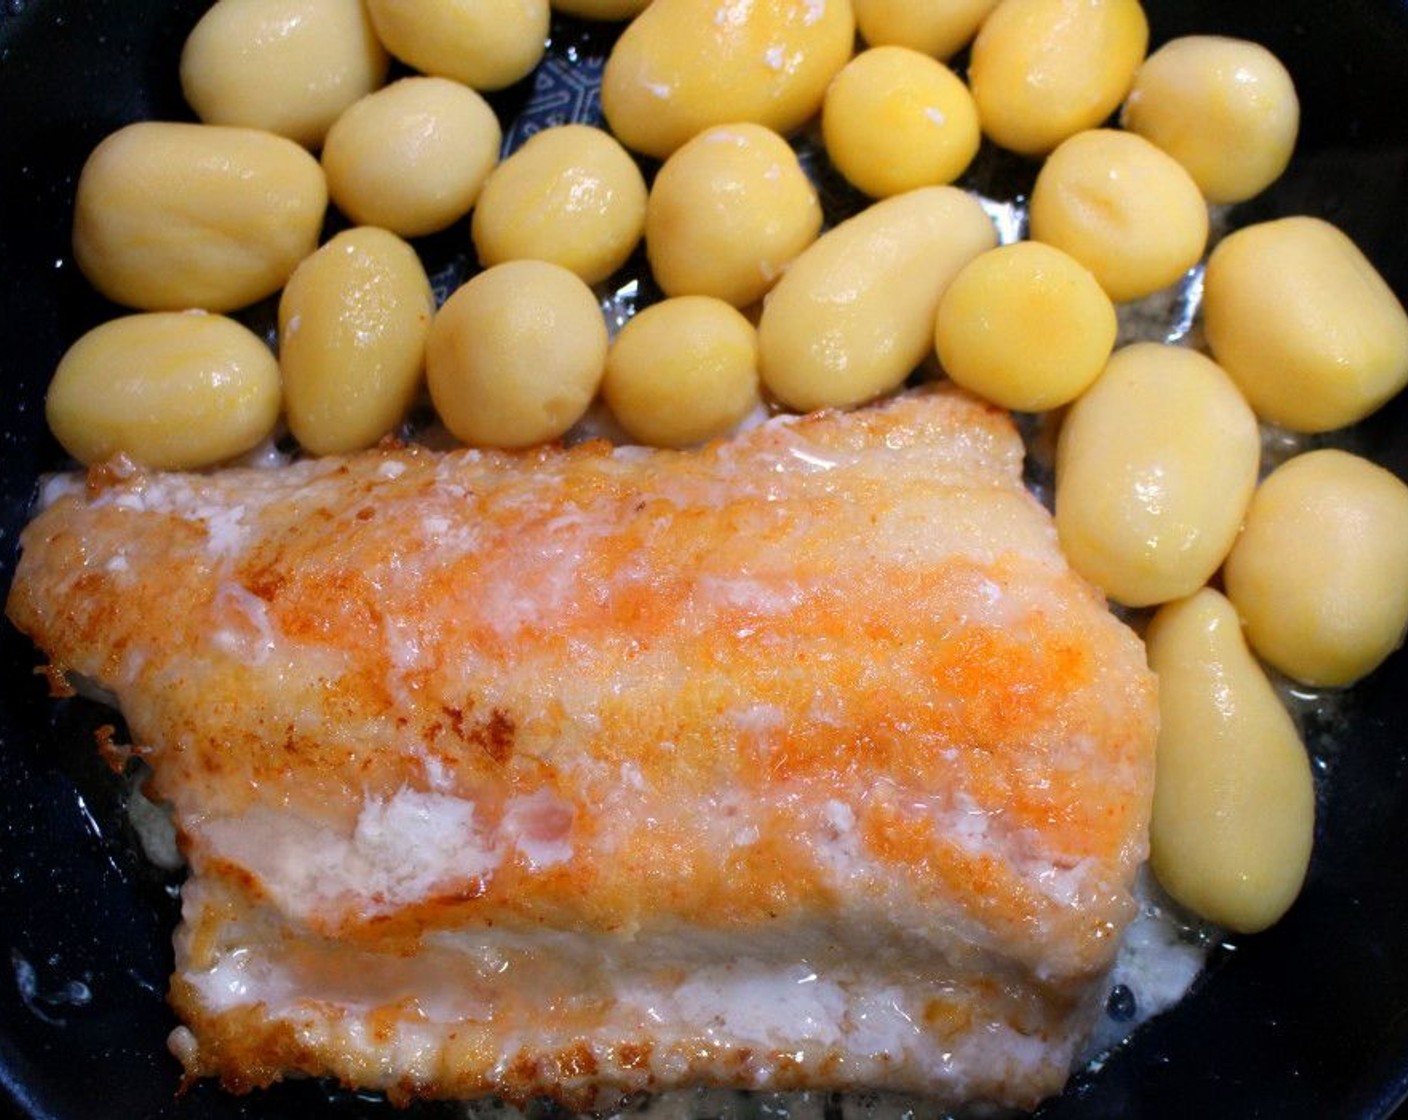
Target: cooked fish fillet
<point x="799" y="761"/>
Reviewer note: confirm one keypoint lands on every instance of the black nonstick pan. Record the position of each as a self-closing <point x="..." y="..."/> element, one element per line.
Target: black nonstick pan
<point x="1309" y="1019"/>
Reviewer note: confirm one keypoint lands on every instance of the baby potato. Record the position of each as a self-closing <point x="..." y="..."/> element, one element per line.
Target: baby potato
<point x="1304" y="323"/>
<point x="608" y="10"/>
<point x="412" y="157"/>
<point x="1234" y="803"/>
<point x="1226" y="109"/>
<point x="352" y="327"/>
<point x="1123" y="208"/>
<point x="682" y="371"/>
<point x="938" y="30"/>
<point x="682" y="66"/>
<point x="894" y="119"/>
<point x="1043" y="70"/>
<point x="172" y="216"/>
<point x="516" y="355"/>
<point x="1320" y="571"/>
<point x="854" y="314"/>
<point x="1155" y="465"/>
<point x="571" y="195"/>
<point x="1025" y="326"/>
<point x="289" y="66"/>
<point x="486" y="44"/>
<point x="727" y="213"/>
<point x="172" y="390"/>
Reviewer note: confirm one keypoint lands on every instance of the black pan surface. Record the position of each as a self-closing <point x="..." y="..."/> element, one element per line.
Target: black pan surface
<point x="1307" y="1020"/>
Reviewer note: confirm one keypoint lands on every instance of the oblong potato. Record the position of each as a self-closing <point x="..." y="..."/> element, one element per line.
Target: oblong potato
<point x="486" y="44"/>
<point x="352" y="327"/>
<point x="173" y="216"/>
<point x="854" y="314"/>
<point x="172" y="390"/>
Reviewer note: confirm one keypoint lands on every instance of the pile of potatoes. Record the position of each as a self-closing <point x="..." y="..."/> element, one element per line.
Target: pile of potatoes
<point x="1158" y="496"/>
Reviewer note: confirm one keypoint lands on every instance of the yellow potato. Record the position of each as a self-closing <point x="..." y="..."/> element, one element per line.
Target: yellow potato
<point x="939" y="30"/>
<point x="1320" y="571"/>
<point x="516" y="355"/>
<point x="1043" y="70"/>
<point x="289" y="66"/>
<point x="352" y="327"/>
<point x="601" y="9"/>
<point x="1155" y="465"/>
<point x="685" y="65"/>
<point x="412" y="157"/>
<point x="1226" y="109"/>
<point x="1234" y="802"/>
<point x="682" y="371"/>
<point x="727" y="213"/>
<point x="894" y="119"/>
<point x="1025" y="326"/>
<point x="172" y="390"/>
<point x="1123" y="208"/>
<point x="486" y="44"/>
<point x="854" y="314"/>
<point x="571" y="195"/>
<point x="1305" y="325"/>
<point x="171" y="216"/>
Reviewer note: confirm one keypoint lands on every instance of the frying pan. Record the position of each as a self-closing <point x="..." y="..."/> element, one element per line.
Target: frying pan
<point x="1309" y="1019"/>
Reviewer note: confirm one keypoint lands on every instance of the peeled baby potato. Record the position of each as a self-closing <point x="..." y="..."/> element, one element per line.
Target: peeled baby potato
<point x="608" y="10"/>
<point x="727" y="213"/>
<point x="172" y="390"/>
<point x="1025" y="326"/>
<point x="1226" y="109"/>
<point x="289" y="66"/>
<point x="412" y="157"/>
<point x="1304" y="323"/>
<point x="172" y="216"/>
<point x="894" y="119"/>
<point x="1043" y="70"/>
<point x="854" y="314"/>
<point x="1123" y="208"/>
<point x="1320" y="571"/>
<point x="486" y="44"/>
<point x="352" y="327"/>
<point x="682" y="66"/>
<point x="1155" y="465"/>
<point x="682" y="371"/>
<point x="571" y="195"/>
<point x="938" y="30"/>
<point x="1234" y="803"/>
<point x="516" y="355"/>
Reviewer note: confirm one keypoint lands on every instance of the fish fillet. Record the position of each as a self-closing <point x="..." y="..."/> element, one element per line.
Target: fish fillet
<point x="802" y="760"/>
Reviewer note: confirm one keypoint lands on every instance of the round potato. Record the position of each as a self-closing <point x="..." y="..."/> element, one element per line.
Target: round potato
<point x="1304" y="323"/>
<point x="682" y="66"/>
<point x="608" y="10"/>
<point x="571" y="195"/>
<point x="682" y="371"/>
<point x="486" y="44"/>
<point x="727" y="213"/>
<point x="1025" y="326"/>
<point x="172" y="216"/>
<point x="289" y="66"/>
<point x="1043" y="70"/>
<point x="1320" y="571"/>
<point x="1155" y="465"/>
<point x="352" y="327"/>
<point x="1226" y="109"/>
<point x="894" y="119"/>
<point x="1123" y="208"/>
<point x="170" y="390"/>
<point x="412" y="157"/>
<point x="938" y="30"/>
<point x="516" y="355"/>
